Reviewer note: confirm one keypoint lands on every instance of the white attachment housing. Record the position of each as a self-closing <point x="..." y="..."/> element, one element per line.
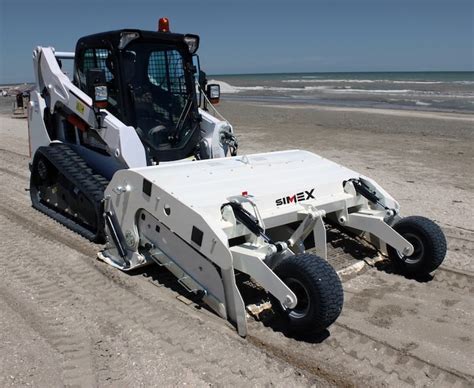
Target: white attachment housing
<point x="174" y="214"/>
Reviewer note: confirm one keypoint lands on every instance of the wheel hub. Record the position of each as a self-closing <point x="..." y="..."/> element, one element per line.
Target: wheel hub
<point x="418" y="249"/>
<point x="303" y="305"/>
<point x="42" y="170"/>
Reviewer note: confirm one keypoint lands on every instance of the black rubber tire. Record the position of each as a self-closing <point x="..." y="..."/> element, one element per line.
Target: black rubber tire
<point x="322" y="287"/>
<point x="429" y="242"/>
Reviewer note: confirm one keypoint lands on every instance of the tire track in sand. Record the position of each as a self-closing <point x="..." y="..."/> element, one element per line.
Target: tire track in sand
<point x="186" y="340"/>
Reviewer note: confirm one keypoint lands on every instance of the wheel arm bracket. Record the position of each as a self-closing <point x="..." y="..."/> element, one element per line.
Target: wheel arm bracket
<point x="249" y="260"/>
<point x="376" y="226"/>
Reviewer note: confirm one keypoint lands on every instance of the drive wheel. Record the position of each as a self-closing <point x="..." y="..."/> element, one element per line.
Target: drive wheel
<point x="42" y="170"/>
<point x="429" y="245"/>
<point x="317" y="288"/>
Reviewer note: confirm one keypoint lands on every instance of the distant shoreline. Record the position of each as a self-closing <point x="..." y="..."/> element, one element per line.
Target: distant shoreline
<point x="16" y="84"/>
<point x="457" y="116"/>
<point x="345" y="72"/>
<point x="401" y="110"/>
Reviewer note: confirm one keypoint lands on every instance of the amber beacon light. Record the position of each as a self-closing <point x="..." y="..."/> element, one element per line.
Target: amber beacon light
<point x="164" y="25"/>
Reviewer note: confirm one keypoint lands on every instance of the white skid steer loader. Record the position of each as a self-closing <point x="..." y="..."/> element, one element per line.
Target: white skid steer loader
<point x="128" y="154"/>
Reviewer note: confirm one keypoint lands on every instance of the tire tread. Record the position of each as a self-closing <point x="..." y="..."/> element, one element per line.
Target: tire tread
<point x="436" y="245"/>
<point x="328" y="288"/>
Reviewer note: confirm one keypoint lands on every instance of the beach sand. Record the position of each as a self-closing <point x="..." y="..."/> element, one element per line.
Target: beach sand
<point x="71" y="320"/>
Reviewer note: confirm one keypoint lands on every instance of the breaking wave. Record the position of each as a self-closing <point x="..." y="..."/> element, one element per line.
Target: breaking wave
<point x="421" y="103"/>
<point x="369" y="91"/>
<point x="227" y="88"/>
<point x="362" y="81"/>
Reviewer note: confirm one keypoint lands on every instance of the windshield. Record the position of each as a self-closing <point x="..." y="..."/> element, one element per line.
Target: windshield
<point x="162" y="101"/>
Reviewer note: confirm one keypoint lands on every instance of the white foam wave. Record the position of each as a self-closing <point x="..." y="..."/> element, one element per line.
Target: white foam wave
<point x="316" y="88"/>
<point x="417" y="82"/>
<point x="227" y="88"/>
<point x="421" y="103"/>
<point x="328" y="80"/>
<point x="369" y="91"/>
<point x="361" y="81"/>
<point x="464" y="82"/>
<point x="238" y="88"/>
<point x="271" y="88"/>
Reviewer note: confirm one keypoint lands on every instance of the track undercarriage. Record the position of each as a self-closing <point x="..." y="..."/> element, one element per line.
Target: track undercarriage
<point x="65" y="188"/>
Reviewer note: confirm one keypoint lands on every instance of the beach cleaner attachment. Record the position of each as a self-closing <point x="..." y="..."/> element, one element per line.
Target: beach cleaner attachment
<point x="261" y="216"/>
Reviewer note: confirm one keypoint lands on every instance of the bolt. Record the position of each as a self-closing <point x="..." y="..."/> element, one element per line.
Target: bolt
<point x="130" y="239"/>
<point x="288" y="301"/>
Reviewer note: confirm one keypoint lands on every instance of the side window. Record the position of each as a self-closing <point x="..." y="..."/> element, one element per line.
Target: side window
<point x="165" y="69"/>
<point x="97" y="58"/>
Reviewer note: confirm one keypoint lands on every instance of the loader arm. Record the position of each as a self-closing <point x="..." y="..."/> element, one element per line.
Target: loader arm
<point x="54" y="90"/>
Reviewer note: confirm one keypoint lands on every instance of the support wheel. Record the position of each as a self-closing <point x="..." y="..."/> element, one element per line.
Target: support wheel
<point x="429" y="245"/>
<point x="318" y="289"/>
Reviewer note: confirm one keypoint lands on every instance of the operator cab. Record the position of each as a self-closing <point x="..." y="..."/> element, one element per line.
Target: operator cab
<point x="150" y="79"/>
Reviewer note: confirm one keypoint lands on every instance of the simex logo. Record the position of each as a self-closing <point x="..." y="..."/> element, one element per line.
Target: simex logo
<point x="295" y="198"/>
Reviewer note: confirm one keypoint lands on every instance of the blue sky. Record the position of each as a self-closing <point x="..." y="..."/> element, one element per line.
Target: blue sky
<point x="258" y="36"/>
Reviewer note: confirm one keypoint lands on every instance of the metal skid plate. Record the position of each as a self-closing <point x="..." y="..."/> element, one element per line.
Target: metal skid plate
<point x="192" y="235"/>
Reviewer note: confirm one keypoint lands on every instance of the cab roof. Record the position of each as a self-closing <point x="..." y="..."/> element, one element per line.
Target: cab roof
<point x="112" y="38"/>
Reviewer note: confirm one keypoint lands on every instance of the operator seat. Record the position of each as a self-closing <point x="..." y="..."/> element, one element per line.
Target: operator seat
<point x="142" y="97"/>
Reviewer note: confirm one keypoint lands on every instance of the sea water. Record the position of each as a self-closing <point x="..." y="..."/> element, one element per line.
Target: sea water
<point x="443" y="91"/>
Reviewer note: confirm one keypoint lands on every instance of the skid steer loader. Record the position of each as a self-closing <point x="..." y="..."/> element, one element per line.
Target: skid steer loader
<point x="128" y="154"/>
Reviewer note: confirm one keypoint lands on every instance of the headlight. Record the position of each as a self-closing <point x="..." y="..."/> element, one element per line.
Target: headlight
<point x="126" y="37"/>
<point x="193" y="42"/>
<point x="100" y="93"/>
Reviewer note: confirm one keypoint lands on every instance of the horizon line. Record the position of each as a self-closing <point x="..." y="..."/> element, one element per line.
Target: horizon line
<point x="303" y="72"/>
<point x="352" y="72"/>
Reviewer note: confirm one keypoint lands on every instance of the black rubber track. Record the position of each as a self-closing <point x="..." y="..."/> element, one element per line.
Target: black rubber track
<point x="434" y="244"/>
<point x="324" y="288"/>
<point x="75" y="170"/>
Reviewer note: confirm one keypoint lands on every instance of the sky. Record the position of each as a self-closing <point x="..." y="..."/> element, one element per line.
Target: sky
<point x="258" y="36"/>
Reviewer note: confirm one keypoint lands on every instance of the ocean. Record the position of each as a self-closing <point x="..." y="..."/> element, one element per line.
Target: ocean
<point x="439" y="91"/>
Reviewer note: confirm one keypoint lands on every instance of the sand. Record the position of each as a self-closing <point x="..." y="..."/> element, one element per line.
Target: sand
<point x="68" y="319"/>
<point x="378" y="111"/>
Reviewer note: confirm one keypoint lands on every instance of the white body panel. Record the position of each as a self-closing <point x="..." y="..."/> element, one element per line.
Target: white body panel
<point x="37" y="133"/>
<point x="206" y="185"/>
